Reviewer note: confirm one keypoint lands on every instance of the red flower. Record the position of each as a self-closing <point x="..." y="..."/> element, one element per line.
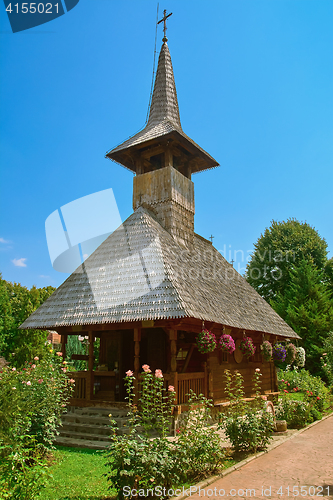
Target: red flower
<point x="318" y="397"/>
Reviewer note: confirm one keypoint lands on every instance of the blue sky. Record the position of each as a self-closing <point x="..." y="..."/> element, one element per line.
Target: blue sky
<point x="255" y="90"/>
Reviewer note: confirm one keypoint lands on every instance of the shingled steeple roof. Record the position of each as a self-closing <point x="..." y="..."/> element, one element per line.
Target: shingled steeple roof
<point x="164" y="103"/>
<point x="163" y="124"/>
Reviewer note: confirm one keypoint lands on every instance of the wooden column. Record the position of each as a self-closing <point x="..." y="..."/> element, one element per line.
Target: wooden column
<point x="205" y="379"/>
<point x="173" y="360"/>
<point x="90" y="378"/>
<point x="138" y="165"/>
<point x="63" y="345"/>
<point x="168" y="157"/>
<point x="137" y="338"/>
<point x="210" y="378"/>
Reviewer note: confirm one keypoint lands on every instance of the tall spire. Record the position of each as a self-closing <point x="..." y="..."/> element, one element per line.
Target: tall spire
<point x="164" y="103"/>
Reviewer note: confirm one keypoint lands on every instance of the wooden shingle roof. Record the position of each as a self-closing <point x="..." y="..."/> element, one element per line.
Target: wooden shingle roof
<point x="140" y="273"/>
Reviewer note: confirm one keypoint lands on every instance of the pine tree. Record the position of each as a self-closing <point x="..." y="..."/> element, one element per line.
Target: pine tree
<point x="306" y="305"/>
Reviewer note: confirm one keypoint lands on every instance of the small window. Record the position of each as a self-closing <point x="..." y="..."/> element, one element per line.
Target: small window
<point x="181" y="355"/>
<point x="224" y="358"/>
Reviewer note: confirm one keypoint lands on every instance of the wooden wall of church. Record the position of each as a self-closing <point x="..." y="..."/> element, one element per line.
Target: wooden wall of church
<point x="246" y="367"/>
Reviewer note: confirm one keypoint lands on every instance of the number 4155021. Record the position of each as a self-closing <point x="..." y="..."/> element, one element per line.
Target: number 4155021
<point x="33" y="8"/>
<point x="303" y="491"/>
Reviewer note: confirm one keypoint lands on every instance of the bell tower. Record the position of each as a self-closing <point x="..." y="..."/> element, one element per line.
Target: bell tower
<point x="163" y="158"/>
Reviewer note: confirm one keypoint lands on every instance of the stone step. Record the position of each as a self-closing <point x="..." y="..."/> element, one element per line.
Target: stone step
<point x="103" y="412"/>
<point x="89" y="420"/>
<point x="86" y="437"/>
<point x="84" y="428"/>
<point x="81" y="443"/>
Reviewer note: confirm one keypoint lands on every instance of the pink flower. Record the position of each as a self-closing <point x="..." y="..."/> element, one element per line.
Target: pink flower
<point x="264" y="398"/>
<point x="288" y="383"/>
<point x="33" y="366"/>
<point x="14" y="369"/>
<point x="64" y="370"/>
<point x="71" y="381"/>
<point x="36" y="358"/>
<point x="28" y="383"/>
<point x="257" y="370"/>
<point x="13" y="388"/>
<point x="59" y="353"/>
<point x="158" y="374"/>
<point x="40" y="380"/>
<point x="129" y="373"/>
<point x="324" y="353"/>
<point x="171" y="388"/>
<point x="284" y="390"/>
<point x="146" y="368"/>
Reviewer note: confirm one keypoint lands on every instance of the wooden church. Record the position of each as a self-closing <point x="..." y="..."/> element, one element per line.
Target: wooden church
<point x="154" y="284"/>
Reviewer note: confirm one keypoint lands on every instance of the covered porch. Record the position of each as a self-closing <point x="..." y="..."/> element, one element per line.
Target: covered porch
<point x="169" y="346"/>
<point x="125" y="347"/>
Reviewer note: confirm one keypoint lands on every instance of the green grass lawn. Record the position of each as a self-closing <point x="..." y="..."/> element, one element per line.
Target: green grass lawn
<point x="77" y="475"/>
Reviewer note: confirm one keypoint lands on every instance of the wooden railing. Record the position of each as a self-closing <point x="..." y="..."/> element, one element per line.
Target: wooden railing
<point x="190" y="381"/>
<point x="80" y="386"/>
<point x="183" y="382"/>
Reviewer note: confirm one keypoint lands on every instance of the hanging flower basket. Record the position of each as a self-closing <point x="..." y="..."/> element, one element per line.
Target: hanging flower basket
<point x="266" y="350"/>
<point x="300" y="357"/>
<point x="227" y="344"/>
<point x="246" y="347"/>
<point x="279" y="352"/>
<point x="206" y="341"/>
<point x="291" y="353"/>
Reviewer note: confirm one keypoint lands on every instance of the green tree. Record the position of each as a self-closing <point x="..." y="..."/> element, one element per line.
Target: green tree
<point x="282" y="247"/>
<point x="307" y="307"/>
<point x="17" y="303"/>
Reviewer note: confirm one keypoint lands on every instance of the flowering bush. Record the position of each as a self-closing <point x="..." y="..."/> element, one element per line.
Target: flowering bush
<point x="279" y="352"/>
<point x="137" y="461"/>
<point x="31" y="403"/>
<point x="296" y="413"/>
<point x="290" y="353"/>
<point x="300" y="357"/>
<point x="246" y="347"/>
<point x="206" y="341"/>
<point x="198" y="447"/>
<point x="267" y="350"/>
<point x="227" y="344"/>
<point x="313" y="388"/>
<point x="248" y="425"/>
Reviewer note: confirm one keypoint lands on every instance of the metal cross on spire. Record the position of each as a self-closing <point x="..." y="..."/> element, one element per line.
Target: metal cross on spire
<point x="164" y="18"/>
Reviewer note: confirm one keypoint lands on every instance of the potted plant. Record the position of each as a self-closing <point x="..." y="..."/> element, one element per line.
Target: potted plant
<point x="279" y="352"/>
<point x="266" y="350"/>
<point x="291" y="353"/>
<point x="206" y="341"/>
<point x="246" y="347"/>
<point x="226" y="343"/>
